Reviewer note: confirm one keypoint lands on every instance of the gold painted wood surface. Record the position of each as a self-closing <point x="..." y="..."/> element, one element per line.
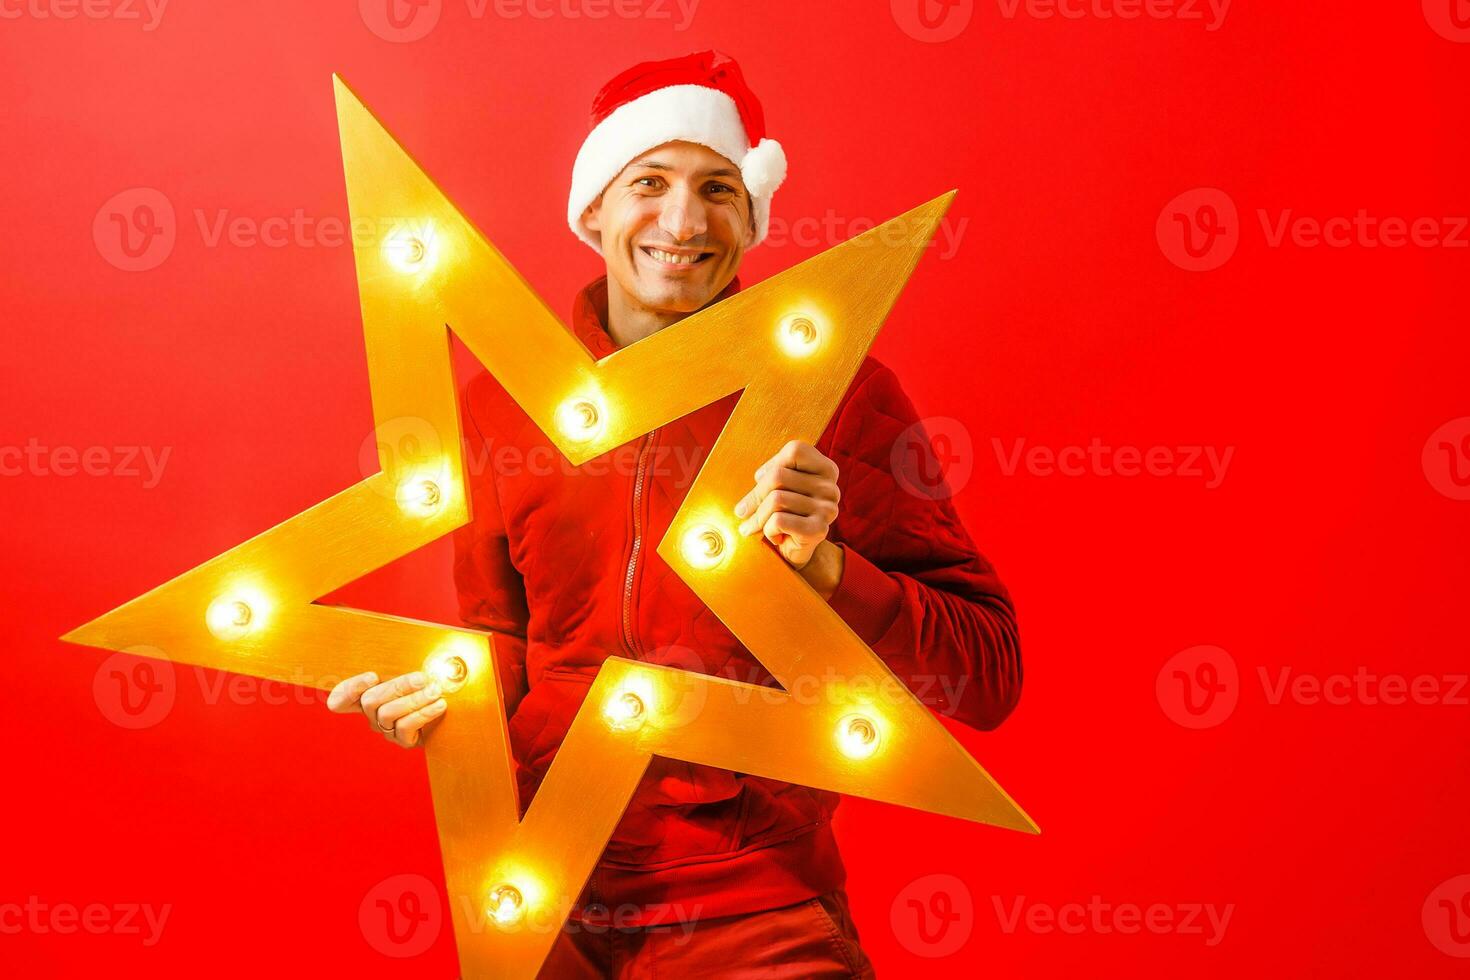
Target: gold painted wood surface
<point x="793" y="343"/>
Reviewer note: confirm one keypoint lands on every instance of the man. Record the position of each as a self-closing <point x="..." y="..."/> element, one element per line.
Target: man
<point x="671" y="187"/>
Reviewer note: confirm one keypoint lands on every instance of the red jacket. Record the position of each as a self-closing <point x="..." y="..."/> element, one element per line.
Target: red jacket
<point x="561" y="561"/>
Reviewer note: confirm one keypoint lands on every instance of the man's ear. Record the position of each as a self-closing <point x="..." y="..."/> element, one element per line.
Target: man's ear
<point x="591" y="220"/>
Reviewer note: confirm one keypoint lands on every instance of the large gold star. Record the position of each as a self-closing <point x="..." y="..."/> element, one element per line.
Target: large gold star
<point x="793" y="343"/>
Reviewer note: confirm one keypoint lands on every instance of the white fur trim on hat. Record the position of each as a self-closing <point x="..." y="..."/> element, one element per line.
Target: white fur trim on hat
<point x="693" y="113"/>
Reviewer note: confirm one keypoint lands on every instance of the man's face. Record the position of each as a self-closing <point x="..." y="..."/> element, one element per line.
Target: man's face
<point x="674" y="225"/>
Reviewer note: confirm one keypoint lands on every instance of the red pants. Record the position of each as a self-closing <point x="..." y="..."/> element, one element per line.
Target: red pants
<point x="813" y="940"/>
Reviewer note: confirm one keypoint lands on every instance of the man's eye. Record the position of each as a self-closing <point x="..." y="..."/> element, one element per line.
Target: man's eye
<point x="648" y="181"/>
<point x="721" y="189"/>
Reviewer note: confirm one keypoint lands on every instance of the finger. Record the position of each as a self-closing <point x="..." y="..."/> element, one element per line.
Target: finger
<point x="786" y="478"/>
<point x="802" y="456"/>
<point x="409" y="729"/>
<point x="389" y="713"/>
<point x="782" y="501"/>
<point x="344" y="696"/>
<point x="375" y="697"/>
<point x="803" y="528"/>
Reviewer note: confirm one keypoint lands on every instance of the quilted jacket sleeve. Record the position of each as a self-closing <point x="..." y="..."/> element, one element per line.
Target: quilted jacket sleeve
<point x="914" y="586"/>
<point x="491" y="593"/>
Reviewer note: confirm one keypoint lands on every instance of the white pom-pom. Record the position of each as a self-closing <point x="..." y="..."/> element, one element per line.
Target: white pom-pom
<point x="764" y="168"/>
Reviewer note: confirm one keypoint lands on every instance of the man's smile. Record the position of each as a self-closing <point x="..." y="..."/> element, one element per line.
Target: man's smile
<point x="674" y="258"/>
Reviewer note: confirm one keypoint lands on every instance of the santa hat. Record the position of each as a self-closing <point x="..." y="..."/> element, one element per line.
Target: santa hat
<point x="700" y="98"/>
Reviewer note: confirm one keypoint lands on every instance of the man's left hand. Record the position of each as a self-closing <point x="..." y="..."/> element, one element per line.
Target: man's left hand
<point x="794" y="503"/>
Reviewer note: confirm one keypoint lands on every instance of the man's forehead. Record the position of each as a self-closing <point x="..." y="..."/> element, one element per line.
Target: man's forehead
<point x="681" y="155"/>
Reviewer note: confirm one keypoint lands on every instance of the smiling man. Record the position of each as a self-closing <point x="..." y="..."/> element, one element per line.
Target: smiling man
<point x="710" y="873"/>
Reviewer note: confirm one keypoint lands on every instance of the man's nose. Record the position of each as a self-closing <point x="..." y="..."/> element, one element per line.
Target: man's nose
<point x="682" y="217"/>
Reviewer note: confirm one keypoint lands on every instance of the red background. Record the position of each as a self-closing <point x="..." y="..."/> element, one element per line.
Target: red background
<point x="1059" y="318"/>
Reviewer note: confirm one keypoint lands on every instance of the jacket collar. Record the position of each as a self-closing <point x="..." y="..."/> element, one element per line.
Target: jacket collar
<point x="589" y="315"/>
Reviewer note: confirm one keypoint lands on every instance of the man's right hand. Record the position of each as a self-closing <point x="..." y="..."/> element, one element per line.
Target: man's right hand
<point x="400" y="709"/>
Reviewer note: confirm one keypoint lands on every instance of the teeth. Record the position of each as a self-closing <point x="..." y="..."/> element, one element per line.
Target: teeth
<point x="670" y="257"/>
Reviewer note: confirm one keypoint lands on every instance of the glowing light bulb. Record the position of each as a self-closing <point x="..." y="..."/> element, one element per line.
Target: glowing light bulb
<point x="580" y="419"/>
<point x="798" y="335"/>
<point x="409" y="252"/>
<point x="704" y="546"/>
<point x="506" y="905"/>
<point x="624" y="711"/>
<point x="857" y="736"/>
<point x="450" y="670"/>
<point x="418" y="496"/>
<point x="229" y="618"/>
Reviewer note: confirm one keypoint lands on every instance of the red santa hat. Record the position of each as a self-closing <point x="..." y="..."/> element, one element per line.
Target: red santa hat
<point x="700" y="98"/>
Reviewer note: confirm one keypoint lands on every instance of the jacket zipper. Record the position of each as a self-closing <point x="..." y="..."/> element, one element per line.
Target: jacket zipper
<point x="640" y="473"/>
